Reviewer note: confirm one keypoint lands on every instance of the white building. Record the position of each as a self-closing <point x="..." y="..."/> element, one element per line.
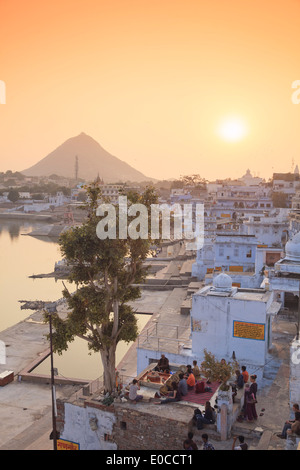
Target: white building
<point x="231" y="251"/>
<point x="226" y="321"/>
<point x="250" y="180"/>
<point x="235" y="252"/>
<point x="24" y="195"/>
<point x="284" y="279"/>
<point x="269" y="229"/>
<point x="58" y="200"/>
<point x="205" y="259"/>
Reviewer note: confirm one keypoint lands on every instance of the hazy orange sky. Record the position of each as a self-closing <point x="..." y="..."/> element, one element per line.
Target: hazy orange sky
<point x="151" y="81"/>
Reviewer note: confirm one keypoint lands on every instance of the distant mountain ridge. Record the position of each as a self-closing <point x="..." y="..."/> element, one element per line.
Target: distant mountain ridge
<point x="93" y="160"/>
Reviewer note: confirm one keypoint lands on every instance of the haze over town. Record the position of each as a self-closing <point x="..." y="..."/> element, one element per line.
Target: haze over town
<point x="171" y="87"/>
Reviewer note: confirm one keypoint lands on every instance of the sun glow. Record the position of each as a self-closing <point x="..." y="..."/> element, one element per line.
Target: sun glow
<point x="232" y="129"/>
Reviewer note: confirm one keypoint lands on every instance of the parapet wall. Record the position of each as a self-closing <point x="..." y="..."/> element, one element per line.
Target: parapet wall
<point x="123" y="426"/>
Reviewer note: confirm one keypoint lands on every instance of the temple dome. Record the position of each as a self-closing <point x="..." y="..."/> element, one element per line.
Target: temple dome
<point x="222" y="282"/>
<point x="292" y="248"/>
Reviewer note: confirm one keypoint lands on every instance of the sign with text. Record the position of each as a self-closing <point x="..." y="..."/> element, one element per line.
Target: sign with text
<point x="67" y="445"/>
<point x="247" y="330"/>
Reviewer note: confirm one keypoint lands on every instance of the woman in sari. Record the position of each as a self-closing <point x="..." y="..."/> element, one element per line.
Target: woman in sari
<point x="249" y="404"/>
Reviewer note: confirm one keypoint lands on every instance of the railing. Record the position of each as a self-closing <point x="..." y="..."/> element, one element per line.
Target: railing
<point x="157" y="326"/>
<point x="164" y="337"/>
<point x="95" y="387"/>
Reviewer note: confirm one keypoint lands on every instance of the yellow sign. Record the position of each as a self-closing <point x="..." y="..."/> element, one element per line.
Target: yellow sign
<point x="236" y="269"/>
<point x="246" y="330"/>
<point x="67" y="445"/>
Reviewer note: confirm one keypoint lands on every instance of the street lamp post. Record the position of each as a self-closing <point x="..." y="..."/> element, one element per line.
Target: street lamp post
<point x="298" y="318"/>
<point x="51" y="308"/>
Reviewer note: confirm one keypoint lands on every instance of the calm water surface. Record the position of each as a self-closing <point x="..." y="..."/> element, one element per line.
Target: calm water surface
<point x="22" y="256"/>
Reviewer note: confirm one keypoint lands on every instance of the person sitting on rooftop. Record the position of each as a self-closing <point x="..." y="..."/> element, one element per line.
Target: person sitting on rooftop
<point x="190" y="378"/>
<point x="196" y="370"/>
<point x="173" y="396"/>
<point x="182" y="385"/>
<point x="295" y="427"/>
<point x="133" y="389"/>
<point x="288" y="423"/>
<point x="163" y="364"/>
<point x="208" y="417"/>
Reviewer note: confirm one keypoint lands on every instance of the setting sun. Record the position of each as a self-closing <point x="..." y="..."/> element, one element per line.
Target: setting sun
<point x="232" y="129"/>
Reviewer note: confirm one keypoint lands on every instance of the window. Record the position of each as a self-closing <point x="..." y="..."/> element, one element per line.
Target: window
<point x="221" y="251"/>
<point x="249" y="253"/>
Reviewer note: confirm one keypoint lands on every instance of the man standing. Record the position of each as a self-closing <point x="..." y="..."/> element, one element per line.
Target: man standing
<point x="206" y="444"/>
<point x="242" y="444"/>
<point x="245" y="374"/>
<point x="189" y="443"/>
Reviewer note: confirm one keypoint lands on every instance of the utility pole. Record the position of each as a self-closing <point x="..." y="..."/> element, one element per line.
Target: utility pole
<point x="51" y="308"/>
<point x="76" y="168"/>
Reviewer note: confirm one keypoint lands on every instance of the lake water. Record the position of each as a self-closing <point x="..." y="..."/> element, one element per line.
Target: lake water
<point x="22" y="256"/>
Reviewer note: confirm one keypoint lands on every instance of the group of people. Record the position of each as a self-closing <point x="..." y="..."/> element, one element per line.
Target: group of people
<point x="207" y="417"/>
<point x="189" y="444"/>
<point x="187" y="380"/>
<point x="250" y="391"/>
<point x="179" y="390"/>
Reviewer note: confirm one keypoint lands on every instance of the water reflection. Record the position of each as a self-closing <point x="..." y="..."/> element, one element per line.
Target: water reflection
<point x="14" y="229"/>
<point x="77" y="363"/>
<point x="20" y="257"/>
<point x="24" y="256"/>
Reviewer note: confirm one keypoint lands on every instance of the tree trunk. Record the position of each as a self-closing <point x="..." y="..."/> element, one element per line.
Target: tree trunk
<point x="108" y="356"/>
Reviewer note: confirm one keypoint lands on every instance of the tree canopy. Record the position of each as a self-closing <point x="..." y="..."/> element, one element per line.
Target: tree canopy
<point x="107" y="273"/>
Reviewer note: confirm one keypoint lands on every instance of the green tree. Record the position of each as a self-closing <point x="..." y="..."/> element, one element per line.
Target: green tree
<point x="13" y="195"/>
<point x="106" y="273"/>
<point x="279" y="199"/>
<point x="194" y="180"/>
